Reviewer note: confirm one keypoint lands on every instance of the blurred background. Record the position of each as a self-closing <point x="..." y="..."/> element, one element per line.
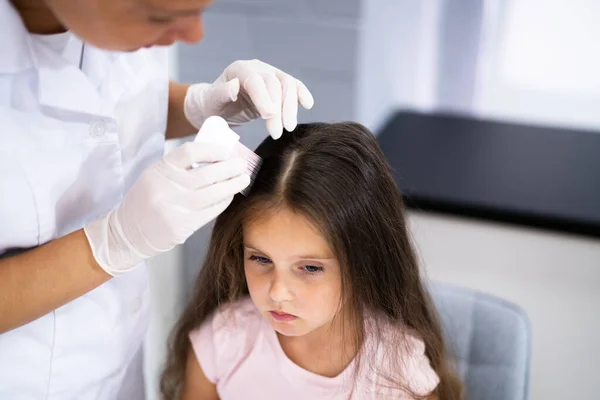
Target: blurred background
<point x="532" y="62"/>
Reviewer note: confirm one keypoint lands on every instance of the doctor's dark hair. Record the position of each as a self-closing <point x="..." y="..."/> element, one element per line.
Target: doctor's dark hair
<point x="336" y="176"/>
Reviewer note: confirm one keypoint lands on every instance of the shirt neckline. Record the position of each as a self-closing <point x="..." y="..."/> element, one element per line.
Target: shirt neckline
<point x="294" y="372"/>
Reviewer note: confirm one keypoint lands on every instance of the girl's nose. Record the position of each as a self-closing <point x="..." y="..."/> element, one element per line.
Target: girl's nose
<point x="279" y="291"/>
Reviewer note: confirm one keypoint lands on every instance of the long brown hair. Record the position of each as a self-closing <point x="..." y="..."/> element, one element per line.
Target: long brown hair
<point x="337" y="176"/>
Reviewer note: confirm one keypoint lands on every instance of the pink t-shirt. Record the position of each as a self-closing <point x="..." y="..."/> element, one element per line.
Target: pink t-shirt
<point x="239" y="351"/>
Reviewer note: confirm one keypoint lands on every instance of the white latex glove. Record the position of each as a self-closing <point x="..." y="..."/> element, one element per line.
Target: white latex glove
<point x="246" y="90"/>
<point x="167" y="205"/>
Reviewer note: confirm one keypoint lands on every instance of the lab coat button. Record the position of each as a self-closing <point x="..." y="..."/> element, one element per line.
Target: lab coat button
<point x="97" y="129"/>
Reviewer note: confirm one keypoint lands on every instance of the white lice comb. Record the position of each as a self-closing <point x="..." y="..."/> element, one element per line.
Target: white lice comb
<point x="253" y="166"/>
<point x="216" y="130"/>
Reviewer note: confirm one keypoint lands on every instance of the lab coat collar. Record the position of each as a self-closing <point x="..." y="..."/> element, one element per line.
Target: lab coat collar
<point x="65" y="86"/>
<point x="68" y="89"/>
<point x="56" y="83"/>
<point x="16" y="52"/>
<point x="60" y="84"/>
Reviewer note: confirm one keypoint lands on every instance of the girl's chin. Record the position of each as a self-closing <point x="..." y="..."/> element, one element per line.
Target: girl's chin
<point x="287" y="330"/>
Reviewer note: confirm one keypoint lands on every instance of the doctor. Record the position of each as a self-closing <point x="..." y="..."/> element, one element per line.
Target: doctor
<point x="85" y="192"/>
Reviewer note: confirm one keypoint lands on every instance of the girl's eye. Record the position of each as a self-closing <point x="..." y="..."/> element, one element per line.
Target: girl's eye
<point x="260" y="260"/>
<point x="311" y="269"/>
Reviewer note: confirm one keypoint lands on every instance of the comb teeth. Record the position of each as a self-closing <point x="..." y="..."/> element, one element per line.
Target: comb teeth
<point x="254" y="162"/>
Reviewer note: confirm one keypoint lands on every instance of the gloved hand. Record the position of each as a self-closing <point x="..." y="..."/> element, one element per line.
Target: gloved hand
<point x="245" y="91"/>
<point x="167" y="204"/>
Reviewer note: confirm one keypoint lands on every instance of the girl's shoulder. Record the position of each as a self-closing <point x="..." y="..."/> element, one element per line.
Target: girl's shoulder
<point x="236" y="315"/>
<point x="224" y="337"/>
<point x="400" y="353"/>
<point x="230" y="320"/>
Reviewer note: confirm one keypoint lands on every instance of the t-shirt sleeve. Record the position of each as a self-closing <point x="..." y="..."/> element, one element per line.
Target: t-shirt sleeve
<point x="221" y="341"/>
<point x="203" y="343"/>
<point x="418" y="374"/>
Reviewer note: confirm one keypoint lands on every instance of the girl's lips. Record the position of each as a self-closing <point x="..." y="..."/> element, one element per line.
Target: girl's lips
<point x="281" y="316"/>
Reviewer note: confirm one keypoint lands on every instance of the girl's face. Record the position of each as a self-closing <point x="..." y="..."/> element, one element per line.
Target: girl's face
<point x="293" y="276"/>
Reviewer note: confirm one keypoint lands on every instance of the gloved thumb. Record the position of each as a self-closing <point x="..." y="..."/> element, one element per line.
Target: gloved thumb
<point x="224" y="93"/>
<point x="205" y="99"/>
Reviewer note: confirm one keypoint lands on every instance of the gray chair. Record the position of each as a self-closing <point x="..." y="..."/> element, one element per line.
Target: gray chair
<point x="490" y="339"/>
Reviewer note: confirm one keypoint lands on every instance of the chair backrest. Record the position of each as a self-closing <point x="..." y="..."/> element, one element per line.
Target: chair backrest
<point x="490" y="339"/>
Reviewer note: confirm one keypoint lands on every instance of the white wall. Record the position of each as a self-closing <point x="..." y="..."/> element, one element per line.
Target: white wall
<point x="539" y="62"/>
<point x="397" y="58"/>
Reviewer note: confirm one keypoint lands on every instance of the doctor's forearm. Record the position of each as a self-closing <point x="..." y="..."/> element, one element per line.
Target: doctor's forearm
<point x="39" y="281"/>
<point x="177" y="124"/>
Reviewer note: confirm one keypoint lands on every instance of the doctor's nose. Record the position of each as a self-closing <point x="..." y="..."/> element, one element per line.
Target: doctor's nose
<point x="279" y="291"/>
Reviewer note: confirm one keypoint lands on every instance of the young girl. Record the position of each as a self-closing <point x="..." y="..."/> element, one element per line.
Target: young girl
<point x="311" y="288"/>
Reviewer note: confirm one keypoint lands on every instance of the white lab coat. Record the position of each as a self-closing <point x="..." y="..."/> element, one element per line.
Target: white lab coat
<point x="72" y="142"/>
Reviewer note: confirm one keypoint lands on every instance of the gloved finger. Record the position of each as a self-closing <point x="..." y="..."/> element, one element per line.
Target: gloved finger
<point x="274" y="123"/>
<point x="210" y="174"/>
<point x="203" y="217"/>
<point x="256" y="89"/>
<point x="214" y="194"/>
<point x="290" y="103"/>
<point x="184" y="156"/>
<point x="304" y="96"/>
<point x="224" y="93"/>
